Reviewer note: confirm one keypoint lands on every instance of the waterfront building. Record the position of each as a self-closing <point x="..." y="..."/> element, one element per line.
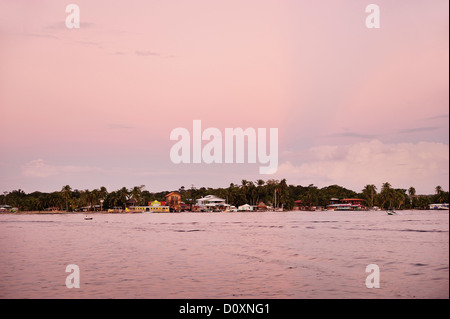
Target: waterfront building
<point x="245" y="208"/>
<point x="154" y="207"/>
<point x="185" y="207"/>
<point x="130" y="203"/>
<point x="5" y="208"/>
<point x="174" y="201"/>
<point x="352" y="201"/>
<point x="347" y="204"/>
<point x="334" y="201"/>
<point x="261" y="207"/>
<point x="211" y="203"/>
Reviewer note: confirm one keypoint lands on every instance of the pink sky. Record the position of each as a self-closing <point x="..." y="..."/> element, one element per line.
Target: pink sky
<point x="95" y="106"/>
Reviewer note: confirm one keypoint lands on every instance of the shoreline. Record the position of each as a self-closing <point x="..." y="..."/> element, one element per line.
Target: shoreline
<point x="191" y="212"/>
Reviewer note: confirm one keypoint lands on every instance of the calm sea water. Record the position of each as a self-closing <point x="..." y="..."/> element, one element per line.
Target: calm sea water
<point x="226" y="255"/>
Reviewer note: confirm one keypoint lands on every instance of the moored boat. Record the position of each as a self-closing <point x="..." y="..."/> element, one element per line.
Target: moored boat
<point x="443" y="206"/>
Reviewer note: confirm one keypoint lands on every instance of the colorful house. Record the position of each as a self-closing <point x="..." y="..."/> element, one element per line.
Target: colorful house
<point x="154" y="207"/>
<point x="348" y="204"/>
<point x="352" y="201"/>
<point x="185" y="207"/>
<point x="173" y="200"/>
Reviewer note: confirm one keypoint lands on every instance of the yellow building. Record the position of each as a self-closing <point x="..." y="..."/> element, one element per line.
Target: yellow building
<point x="154" y="206"/>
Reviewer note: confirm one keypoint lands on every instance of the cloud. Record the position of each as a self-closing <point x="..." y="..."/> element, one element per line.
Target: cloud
<point x="40" y="169"/>
<point x="41" y="35"/>
<point x="115" y="126"/>
<point x="418" y="129"/>
<point x="61" y="25"/>
<point x="422" y="165"/>
<point x="441" y="116"/>
<point x="147" y="53"/>
<point x="353" y="134"/>
<point x="90" y="44"/>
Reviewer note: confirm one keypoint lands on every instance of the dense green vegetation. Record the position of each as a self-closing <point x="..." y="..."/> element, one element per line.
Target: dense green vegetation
<point x="272" y="192"/>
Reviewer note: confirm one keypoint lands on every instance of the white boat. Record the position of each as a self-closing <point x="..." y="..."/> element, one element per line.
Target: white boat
<point x="439" y="206"/>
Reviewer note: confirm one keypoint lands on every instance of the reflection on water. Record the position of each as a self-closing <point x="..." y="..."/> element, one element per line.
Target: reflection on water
<point x="219" y="255"/>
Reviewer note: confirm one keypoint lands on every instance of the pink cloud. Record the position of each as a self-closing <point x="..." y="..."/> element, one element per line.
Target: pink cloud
<point x="423" y="165"/>
<point x="40" y="169"/>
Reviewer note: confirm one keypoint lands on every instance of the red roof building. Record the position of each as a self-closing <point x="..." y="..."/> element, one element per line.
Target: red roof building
<point x="353" y="201"/>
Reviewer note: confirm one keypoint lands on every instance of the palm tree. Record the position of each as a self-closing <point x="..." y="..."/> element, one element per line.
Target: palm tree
<point x="387" y="194"/>
<point x="55" y="200"/>
<point x="231" y="197"/>
<point x="66" y="192"/>
<point x="74" y="203"/>
<point x="123" y="196"/>
<point x="86" y="198"/>
<point x="136" y="193"/>
<point x="252" y="193"/>
<point x="282" y="186"/>
<point x="439" y="194"/>
<point x="400" y="197"/>
<point x="95" y="196"/>
<point x="259" y="189"/>
<point x="270" y="191"/>
<point x="370" y="191"/>
<point x="102" y="196"/>
<point x="244" y="188"/>
<point x="311" y="195"/>
<point x="112" y="199"/>
<point x="412" y="194"/>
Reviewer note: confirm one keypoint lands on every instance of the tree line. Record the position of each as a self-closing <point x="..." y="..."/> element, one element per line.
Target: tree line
<point x="275" y="193"/>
